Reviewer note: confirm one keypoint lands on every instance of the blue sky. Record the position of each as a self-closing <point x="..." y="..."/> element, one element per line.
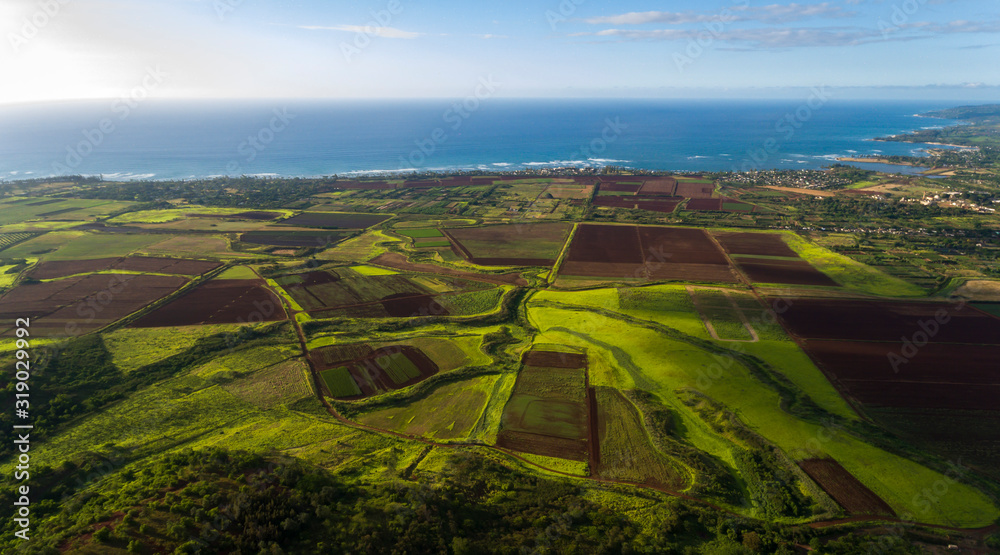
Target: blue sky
<point x="58" y="49"/>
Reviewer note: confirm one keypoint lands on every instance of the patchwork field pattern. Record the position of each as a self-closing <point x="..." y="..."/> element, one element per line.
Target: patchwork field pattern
<point x="344" y="293"/>
<point x="547" y="414"/>
<point x="897" y="362"/>
<point x="766" y="258"/>
<point x="643" y="252"/>
<point x="374" y="371"/>
<point x="83" y="303"/>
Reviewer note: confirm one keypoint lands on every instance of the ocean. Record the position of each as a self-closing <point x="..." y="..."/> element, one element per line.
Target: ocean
<point x="161" y="139"/>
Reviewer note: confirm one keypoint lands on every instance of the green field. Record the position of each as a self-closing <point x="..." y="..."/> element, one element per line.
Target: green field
<point x="339" y="382"/>
<point x="447" y="412"/>
<point x="626" y="451"/>
<point x="419" y="233"/>
<point x="75" y="245"/>
<point x="699" y="410"/>
<point x="648" y="360"/>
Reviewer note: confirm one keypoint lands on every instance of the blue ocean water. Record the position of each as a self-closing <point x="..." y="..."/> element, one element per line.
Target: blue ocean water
<point x="159" y="139"/>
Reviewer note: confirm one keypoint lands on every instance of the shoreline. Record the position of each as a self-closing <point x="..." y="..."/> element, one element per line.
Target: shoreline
<point x="893" y="139"/>
<point x="866" y="160"/>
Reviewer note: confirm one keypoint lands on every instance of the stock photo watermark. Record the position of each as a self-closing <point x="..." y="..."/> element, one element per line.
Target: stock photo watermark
<point x="698" y="44"/>
<point x="785" y="129"/>
<point x="377" y="27"/>
<point x="32" y="25"/>
<point x="901" y="14"/>
<point x="563" y="12"/>
<point x="455" y="117"/>
<point x="258" y="142"/>
<point x="122" y="108"/>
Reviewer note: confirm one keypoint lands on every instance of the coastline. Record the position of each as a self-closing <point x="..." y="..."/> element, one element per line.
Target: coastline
<point x="867" y="160"/>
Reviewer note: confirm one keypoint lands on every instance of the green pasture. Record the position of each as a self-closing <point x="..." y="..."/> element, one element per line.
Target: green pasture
<point x="449" y="411"/>
<point x="664" y="366"/>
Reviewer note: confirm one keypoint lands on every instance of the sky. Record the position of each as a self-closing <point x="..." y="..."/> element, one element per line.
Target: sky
<point x="69" y="49"/>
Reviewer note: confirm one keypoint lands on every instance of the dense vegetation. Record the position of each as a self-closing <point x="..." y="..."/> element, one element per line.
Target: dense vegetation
<point x="213" y="501"/>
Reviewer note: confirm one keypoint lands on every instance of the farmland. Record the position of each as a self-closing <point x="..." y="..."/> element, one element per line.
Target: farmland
<point x="512" y="245"/>
<point x="449" y="335"/>
<point x="628" y="252"/>
<point x="547" y="413"/>
<point x="375" y="371"/>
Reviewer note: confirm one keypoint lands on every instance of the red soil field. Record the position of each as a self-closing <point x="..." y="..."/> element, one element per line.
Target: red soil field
<point x="675" y="245"/>
<point x="615" y="244"/>
<point x="865" y="320"/>
<point x="695" y="190"/>
<point x="760" y="244"/>
<point x="552" y="359"/>
<point x="844" y="488"/>
<point x="924" y="396"/>
<point x="603" y="270"/>
<point x="218" y="302"/>
<point x="662" y="186"/>
<point x="651" y="253"/>
<point x="406" y="305"/>
<point x="85" y="303"/>
<point x="791" y="272"/>
<point x="691" y="272"/>
<point x="925" y="377"/>
<point x="932" y="363"/>
<point x="547" y="446"/>
<point x="166" y="265"/>
<point x="65" y="268"/>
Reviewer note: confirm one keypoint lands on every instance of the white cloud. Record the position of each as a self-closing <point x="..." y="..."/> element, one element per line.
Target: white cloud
<point x="378" y="31"/>
<point x="774" y="13"/>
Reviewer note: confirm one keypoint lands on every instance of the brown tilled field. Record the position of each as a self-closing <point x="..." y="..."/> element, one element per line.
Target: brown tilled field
<point x="551" y="359"/>
<point x="547" y="446"/>
<point x="676" y="245"/>
<point x="866" y="320"/>
<point x="844" y="488"/>
<point x="704" y="204"/>
<point x="645" y="252"/>
<point x="218" y="302"/>
<point x="547" y="413"/>
<point x="695" y="190"/>
<point x="789" y="272"/>
<point x="663" y="186"/>
<point x="760" y="244"/>
<point x="869" y="373"/>
<point x="606" y="244"/>
<point x="176" y="266"/>
<point x="84" y="303"/>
